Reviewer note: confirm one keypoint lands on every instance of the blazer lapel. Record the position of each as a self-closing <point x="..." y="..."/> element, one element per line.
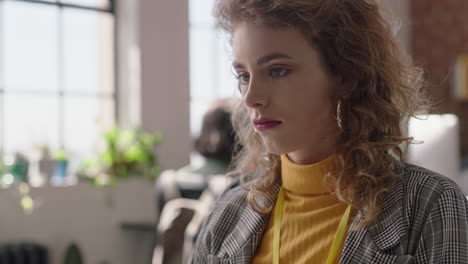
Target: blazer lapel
<point x="389" y="227"/>
<point x="248" y="233"/>
<point x="382" y="234"/>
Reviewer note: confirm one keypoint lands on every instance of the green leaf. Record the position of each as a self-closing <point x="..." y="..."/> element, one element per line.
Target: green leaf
<point x="111" y="135"/>
<point x="61" y="155"/>
<point x="127" y="153"/>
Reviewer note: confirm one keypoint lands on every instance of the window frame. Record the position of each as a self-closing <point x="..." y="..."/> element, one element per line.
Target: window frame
<point x="60" y="94"/>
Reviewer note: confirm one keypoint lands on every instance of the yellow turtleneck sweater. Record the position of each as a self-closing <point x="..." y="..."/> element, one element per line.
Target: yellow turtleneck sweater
<point x="310" y="218"/>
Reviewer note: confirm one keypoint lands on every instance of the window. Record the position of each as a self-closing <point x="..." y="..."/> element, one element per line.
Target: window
<point x="211" y="75"/>
<point x="56" y="74"/>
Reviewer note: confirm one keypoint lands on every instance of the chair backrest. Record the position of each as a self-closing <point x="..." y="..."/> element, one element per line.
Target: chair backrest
<point x="175" y="217"/>
<point x="180" y="222"/>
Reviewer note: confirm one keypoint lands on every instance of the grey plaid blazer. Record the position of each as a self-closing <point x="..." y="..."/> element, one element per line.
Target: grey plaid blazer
<point x="424" y="220"/>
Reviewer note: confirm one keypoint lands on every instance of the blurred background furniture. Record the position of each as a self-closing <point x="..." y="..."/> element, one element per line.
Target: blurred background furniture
<point x="23" y="253"/>
<point x="90" y="216"/>
<point x="180" y="222"/>
<point x="437" y="145"/>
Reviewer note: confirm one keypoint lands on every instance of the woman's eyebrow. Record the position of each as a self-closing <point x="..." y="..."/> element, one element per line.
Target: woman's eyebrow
<point x="264" y="59"/>
<point x="272" y="56"/>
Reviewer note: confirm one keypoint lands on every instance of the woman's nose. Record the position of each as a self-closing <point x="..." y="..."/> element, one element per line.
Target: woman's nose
<point x="256" y="95"/>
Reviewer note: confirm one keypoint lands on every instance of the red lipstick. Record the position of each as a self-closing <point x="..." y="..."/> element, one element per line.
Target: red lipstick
<point x="265" y="123"/>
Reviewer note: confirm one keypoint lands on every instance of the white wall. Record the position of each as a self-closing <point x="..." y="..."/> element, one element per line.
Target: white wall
<point x="128" y="66"/>
<point x="154" y="68"/>
<point x="165" y="76"/>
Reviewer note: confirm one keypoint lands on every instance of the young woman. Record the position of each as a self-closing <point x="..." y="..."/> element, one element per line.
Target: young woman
<point x="322" y="175"/>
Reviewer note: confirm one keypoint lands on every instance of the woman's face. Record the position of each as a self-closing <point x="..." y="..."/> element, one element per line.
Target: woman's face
<point x="286" y="90"/>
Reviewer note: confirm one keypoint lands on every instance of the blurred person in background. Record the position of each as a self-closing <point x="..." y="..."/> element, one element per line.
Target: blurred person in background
<point x="184" y="196"/>
<point x="214" y="149"/>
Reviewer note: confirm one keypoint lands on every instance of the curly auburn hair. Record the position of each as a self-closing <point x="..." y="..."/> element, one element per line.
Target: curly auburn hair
<point x="382" y="91"/>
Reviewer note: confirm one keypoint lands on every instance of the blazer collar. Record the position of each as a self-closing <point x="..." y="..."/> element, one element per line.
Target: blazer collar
<point x="251" y="226"/>
<point x="388" y="228"/>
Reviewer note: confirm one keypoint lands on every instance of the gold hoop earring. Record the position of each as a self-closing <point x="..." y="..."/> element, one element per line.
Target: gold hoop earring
<point x="338" y="115"/>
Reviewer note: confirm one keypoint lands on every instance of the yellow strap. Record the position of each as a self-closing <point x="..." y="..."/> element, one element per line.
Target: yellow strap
<point x="339" y="236"/>
<point x="278" y="219"/>
<point x="338" y="239"/>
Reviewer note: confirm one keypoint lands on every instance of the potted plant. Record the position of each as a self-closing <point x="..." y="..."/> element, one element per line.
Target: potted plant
<point x="123" y="154"/>
<point x="61" y="166"/>
<point x="47" y="163"/>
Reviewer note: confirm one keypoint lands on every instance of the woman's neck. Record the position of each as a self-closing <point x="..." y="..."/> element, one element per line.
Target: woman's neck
<point x="313" y="154"/>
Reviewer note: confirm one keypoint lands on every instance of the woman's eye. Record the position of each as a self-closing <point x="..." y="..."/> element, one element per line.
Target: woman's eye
<point x="279" y="72"/>
<point x="243" y="78"/>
